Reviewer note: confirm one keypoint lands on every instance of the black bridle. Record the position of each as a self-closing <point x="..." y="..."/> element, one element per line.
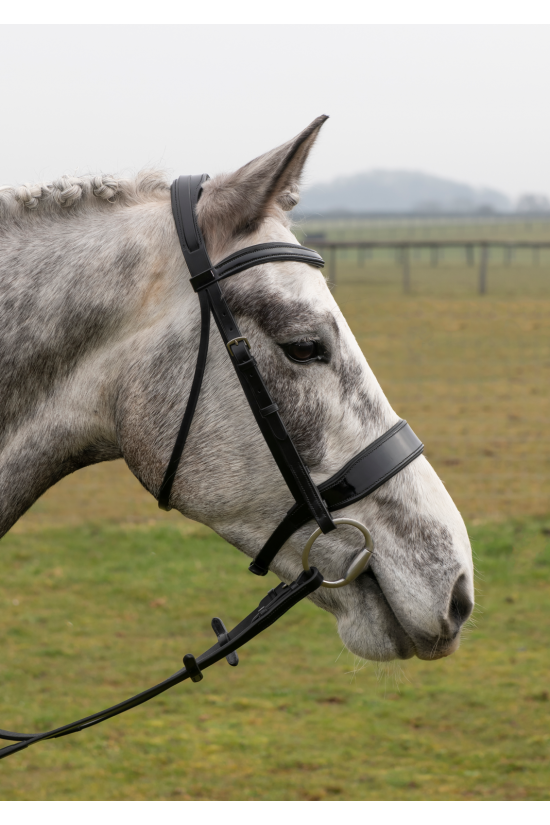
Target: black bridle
<point x="363" y="474"/>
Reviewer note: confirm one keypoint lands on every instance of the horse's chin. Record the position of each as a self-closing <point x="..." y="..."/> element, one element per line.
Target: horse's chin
<point x="380" y="636"/>
<point x="371" y="629"/>
<point x="438" y="650"/>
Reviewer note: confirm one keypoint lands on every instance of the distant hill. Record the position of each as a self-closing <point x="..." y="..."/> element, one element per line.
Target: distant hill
<point x="399" y="191"/>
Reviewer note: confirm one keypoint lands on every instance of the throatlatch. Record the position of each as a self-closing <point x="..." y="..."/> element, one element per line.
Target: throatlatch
<point x="362" y="474"/>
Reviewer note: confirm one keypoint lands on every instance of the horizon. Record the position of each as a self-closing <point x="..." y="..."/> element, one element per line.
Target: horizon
<point x="412" y="192"/>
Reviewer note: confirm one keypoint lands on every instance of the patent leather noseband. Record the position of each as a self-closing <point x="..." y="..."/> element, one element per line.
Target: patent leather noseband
<point x="359" y="477"/>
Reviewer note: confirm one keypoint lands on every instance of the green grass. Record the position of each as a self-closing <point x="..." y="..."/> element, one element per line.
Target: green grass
<point x="92" y="614"/>
<point x="471" y="374"/>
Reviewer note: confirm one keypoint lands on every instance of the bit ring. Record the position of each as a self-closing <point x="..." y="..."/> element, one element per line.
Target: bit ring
<point x="358" y="564"/>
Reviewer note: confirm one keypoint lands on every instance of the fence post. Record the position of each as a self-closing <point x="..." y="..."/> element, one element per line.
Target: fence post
<point x="406" y="270"/>
<point x="483" y="269"/>
<point x="509" y="254"/>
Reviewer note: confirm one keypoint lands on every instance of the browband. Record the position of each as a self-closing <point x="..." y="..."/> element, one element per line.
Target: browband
<point x="252" y="256"/>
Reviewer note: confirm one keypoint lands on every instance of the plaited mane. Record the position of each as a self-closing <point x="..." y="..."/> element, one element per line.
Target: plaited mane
<point x="68" y="193"/>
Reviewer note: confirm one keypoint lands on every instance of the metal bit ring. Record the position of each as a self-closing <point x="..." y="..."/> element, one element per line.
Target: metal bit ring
<point x="358" y="564"/>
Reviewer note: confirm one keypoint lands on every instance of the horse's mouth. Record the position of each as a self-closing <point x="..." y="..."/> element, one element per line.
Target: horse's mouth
<point x="402" y="646"/>
<point x="411" y="643"/>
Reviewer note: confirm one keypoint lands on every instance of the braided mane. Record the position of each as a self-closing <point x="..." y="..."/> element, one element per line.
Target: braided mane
<point x="68" y="193"/>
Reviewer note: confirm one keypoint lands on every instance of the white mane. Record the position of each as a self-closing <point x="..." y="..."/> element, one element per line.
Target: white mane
<point x="68" y="192"/>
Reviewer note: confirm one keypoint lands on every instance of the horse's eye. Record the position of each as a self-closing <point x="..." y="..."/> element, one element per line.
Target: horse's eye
<point x="304" y="351"/>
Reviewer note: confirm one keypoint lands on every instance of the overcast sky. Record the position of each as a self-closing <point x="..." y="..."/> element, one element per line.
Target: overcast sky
<point x="465" y="102"/>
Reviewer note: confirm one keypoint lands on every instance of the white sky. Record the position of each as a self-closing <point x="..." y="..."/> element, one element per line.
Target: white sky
<point x="465" y="102"/>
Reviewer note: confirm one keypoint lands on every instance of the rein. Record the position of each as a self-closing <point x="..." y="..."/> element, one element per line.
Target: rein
<point x="359" y="477"/>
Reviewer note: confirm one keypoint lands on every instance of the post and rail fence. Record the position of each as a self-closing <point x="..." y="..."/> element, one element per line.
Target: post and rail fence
<point x="404" y="247"/>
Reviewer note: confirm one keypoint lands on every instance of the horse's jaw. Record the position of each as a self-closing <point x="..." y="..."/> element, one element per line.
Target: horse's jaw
<point x="370" y="629"/>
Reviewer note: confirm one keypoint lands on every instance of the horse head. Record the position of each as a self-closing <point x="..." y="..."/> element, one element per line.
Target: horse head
<point x="108" y="326"/>
<point x="418" y="589"/>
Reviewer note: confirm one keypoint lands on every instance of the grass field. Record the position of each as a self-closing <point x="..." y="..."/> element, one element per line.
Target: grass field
<point x="103" y="594"/>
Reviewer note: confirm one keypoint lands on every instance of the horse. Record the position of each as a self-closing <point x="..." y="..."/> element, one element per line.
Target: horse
<point x="99" y="329"/>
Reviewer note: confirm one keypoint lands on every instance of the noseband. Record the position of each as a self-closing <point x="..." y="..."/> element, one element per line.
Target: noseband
<point x="359" y="477"/>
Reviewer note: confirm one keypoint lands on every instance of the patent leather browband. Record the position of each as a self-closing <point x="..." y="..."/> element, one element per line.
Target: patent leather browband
<point x="253" y="256"/>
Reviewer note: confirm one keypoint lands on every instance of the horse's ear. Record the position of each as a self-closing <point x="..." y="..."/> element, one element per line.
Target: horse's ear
<point x="235" y="203"/>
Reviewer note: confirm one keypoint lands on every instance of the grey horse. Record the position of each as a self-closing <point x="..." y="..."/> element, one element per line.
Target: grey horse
<point x="99" y="328"/>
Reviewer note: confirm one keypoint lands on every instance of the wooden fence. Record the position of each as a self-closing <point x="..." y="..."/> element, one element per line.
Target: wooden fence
<point x="404" y="248"/>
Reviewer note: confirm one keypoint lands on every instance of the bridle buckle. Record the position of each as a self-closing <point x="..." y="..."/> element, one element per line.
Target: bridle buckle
<point x="236" y="341"/>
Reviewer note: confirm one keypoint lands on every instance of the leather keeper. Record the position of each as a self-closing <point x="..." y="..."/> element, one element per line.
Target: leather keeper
<point x="203" y="279"/>
<point x="243" y="364"/>
<point x="257" y="569"/>
<point x="265" y="411"/>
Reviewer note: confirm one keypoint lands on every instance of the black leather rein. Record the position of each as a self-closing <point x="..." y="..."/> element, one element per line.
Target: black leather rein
<point x="362" y="474"/>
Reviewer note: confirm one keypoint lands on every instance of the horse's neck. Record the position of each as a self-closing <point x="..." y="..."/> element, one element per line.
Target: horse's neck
<point x="76" y="297"/>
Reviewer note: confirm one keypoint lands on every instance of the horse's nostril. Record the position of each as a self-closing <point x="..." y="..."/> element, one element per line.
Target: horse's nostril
<point x="461" y="603"/>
